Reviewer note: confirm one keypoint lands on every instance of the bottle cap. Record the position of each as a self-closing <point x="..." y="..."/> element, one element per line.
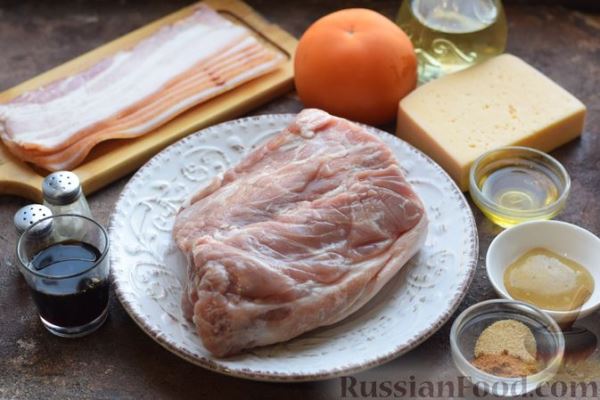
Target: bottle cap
<point x="61" y="188"/>
<point x="29" y="215"/>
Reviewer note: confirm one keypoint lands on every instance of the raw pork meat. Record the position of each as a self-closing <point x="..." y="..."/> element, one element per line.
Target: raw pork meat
<point x="300" y="234"/>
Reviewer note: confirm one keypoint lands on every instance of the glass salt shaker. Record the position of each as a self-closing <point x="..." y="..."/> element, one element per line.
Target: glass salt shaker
<point x="63" y="195"/>
<point x="29" y="215"/>
<point x="43" y="232"/>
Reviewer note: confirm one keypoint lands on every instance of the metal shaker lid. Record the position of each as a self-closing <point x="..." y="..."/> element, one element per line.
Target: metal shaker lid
<point x="29" y="215"/>
<point x="61" y="188"/>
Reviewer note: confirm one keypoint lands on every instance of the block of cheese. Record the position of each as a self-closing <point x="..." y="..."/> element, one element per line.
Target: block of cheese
<point x="501" y="102"/>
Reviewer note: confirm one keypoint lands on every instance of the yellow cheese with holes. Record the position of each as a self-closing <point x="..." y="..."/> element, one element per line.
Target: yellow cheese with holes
<point x="503" y="101"/>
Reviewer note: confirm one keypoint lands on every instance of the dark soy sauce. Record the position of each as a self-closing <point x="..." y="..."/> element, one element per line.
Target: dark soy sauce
<point x="69" y="302"/>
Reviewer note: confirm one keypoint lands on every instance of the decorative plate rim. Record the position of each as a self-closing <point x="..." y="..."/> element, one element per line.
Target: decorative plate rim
<point x="272" y="376"/>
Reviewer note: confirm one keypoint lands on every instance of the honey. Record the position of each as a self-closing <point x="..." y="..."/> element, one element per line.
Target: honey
<point x="454" y="34"/>
<point x="549" y="281"/>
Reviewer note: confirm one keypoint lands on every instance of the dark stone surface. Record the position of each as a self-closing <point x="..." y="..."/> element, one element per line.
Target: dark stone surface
<point x="120" y="361"/>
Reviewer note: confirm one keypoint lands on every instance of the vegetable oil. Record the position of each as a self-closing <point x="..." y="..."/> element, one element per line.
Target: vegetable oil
<point x="517" y="190"/>
<point x="450" y="35"/>
<point x="516" y="184"/>
<point x="549" y="281"/>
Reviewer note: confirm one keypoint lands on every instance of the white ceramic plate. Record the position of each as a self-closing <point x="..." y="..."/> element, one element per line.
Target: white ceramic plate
<point x="148" y="270"/>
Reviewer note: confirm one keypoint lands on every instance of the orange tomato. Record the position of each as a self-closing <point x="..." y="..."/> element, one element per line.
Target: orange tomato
<point x="357" y="64"/>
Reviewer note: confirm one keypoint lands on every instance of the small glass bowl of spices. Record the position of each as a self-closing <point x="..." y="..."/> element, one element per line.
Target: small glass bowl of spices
<point x="516" y="184"/>
<point x="505" y="347"/>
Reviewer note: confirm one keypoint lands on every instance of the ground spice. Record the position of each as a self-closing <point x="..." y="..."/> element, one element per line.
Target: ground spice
<point x="506" y="348"/>
<point x="504" y="365"/>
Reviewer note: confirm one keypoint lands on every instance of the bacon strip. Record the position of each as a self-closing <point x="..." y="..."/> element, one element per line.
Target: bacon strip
<point x="135" y="91"/>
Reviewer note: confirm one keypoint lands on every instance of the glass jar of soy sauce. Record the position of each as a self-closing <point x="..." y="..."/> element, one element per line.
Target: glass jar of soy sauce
<point x="68" y="275"/>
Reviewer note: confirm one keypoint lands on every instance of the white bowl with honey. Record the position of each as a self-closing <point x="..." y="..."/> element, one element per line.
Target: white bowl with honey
<point x="552" y="265"/>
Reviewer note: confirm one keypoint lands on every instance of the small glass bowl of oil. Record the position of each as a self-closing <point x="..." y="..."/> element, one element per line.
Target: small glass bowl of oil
<point x="516" y="184"/>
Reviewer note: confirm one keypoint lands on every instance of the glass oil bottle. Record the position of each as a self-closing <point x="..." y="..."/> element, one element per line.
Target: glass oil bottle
<point x="450" y="35"/>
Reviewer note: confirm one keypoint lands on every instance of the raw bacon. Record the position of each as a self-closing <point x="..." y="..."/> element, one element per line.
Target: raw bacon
<point x="132" y="92"/>
<point x="300" y="234"/>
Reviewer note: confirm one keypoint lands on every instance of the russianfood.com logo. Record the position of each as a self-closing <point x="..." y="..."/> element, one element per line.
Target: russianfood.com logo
<point x="353" y="388"/>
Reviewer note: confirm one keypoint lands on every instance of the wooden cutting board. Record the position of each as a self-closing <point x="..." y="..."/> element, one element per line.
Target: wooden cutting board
<point x="113" y="159"/>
